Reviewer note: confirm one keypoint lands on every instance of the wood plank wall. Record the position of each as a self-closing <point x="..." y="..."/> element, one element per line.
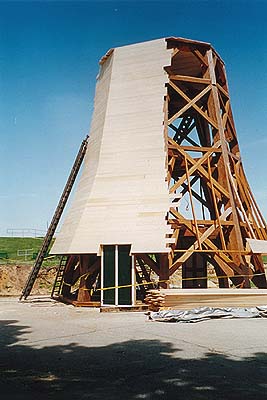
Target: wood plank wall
<point x="122" y="196"/>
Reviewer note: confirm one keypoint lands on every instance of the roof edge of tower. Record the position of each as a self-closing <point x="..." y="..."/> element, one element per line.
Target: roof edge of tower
<point x="106" y="56"/>
<point x="172" y="40"/>
<point x="188" y="41"/>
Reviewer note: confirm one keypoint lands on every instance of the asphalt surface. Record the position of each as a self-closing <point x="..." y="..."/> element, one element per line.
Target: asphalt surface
<point x="53" y="351"/>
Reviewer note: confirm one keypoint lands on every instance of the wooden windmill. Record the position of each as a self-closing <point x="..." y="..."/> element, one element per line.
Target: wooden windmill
<point x="163" y="186"/>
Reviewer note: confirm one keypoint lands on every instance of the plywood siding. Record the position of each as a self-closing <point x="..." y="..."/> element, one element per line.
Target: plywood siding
<point x="122" y="196"/>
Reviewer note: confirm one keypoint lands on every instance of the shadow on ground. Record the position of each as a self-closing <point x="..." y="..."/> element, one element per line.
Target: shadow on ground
<point x="148" y="369"/>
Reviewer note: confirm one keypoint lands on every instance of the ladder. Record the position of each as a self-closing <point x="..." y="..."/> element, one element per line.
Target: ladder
<point x="55" y="220"/>
<point x="59" y="277"/>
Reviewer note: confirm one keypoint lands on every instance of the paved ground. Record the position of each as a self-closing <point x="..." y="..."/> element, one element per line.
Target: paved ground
<point x="53" y="351"/>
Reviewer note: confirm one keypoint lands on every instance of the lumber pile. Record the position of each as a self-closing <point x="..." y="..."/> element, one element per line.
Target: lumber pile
<point x="185" y="299"/>
<point x="155" y="300"/>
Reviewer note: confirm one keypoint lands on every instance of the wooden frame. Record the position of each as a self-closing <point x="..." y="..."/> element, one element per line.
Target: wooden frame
<point x="200" y="121"/>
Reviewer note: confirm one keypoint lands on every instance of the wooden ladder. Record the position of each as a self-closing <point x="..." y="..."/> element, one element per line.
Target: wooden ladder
<point x="55" y="220"/>
<point x="59" y="277"/>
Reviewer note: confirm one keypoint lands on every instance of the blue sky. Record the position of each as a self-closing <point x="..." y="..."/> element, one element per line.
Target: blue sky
<point x="49" y="54"/>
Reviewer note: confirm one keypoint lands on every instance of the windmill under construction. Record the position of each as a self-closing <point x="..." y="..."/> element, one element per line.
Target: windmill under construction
<point x="162" y="186"/>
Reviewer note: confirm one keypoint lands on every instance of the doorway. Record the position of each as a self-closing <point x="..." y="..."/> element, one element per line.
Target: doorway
<point x="117" y="273"/>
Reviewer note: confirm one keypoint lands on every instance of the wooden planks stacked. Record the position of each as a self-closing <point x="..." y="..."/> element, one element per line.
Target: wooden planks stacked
<point x="155" y="300"/>
<point x="185" y="299"/>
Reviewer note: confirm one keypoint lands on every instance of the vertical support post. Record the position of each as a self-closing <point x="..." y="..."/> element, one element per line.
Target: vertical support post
<point x="164" y="271"/>
<point x="83" y="293"/>
<point x="238" y="235"/>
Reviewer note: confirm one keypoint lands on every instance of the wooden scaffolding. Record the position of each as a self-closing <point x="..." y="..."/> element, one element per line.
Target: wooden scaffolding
<point x="204" y="164"/>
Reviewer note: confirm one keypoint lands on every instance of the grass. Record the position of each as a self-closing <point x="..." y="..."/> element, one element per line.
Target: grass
<point x="11" y="245"/>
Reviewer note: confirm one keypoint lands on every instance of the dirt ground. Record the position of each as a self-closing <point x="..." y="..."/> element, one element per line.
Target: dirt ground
<point x="14" y="277"/>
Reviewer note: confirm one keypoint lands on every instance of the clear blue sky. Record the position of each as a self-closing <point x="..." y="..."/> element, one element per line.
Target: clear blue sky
<point x="49" y="54"/>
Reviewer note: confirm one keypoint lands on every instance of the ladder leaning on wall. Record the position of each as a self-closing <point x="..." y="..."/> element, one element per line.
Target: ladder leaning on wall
<point x="55" y="220"/>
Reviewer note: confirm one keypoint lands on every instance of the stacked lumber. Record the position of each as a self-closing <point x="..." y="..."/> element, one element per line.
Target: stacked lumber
<point x="185" y="299"/>
<point x="155" y="300"/>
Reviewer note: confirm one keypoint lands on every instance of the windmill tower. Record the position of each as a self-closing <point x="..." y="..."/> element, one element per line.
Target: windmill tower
<point x="163" y="186"/>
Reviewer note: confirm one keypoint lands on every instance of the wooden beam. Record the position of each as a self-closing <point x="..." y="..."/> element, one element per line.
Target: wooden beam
<point x="200" y="57"/>
<point x="238" y="235"/>
<point x="83" y="292"/>
<point x="192" y="104"/>
<point x="222" y="90"/>
<point x="221" y="258"/>
<point x="192" y="203"/>
<point x="199" y="148"/>
<point x="216" y="206"/>
<point x="195" y="245"/>
<point x="164" y="271"/>
<point x="191" y="79"/>
<point x="204" y="222"/>
<point x="201" y="170"/>
<point x="151" y="263"/>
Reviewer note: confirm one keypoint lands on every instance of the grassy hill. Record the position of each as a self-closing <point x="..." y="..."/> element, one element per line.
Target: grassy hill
<point x="9" y="247"/>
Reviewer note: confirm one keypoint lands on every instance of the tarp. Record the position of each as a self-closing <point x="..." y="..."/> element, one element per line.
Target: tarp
<point x="205" y="313"/>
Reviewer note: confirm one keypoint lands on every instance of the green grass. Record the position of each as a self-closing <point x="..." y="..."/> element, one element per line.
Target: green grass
<point x="11" y="245"/>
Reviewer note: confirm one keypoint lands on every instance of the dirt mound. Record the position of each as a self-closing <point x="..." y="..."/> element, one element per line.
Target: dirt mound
<point x="14" y="277"/>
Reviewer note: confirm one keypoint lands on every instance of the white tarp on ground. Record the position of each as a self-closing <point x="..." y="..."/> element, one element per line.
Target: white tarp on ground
<point x="205" y="313"/>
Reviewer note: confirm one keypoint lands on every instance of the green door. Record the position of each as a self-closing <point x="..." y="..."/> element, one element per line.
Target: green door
<point x="117" y="271"/>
